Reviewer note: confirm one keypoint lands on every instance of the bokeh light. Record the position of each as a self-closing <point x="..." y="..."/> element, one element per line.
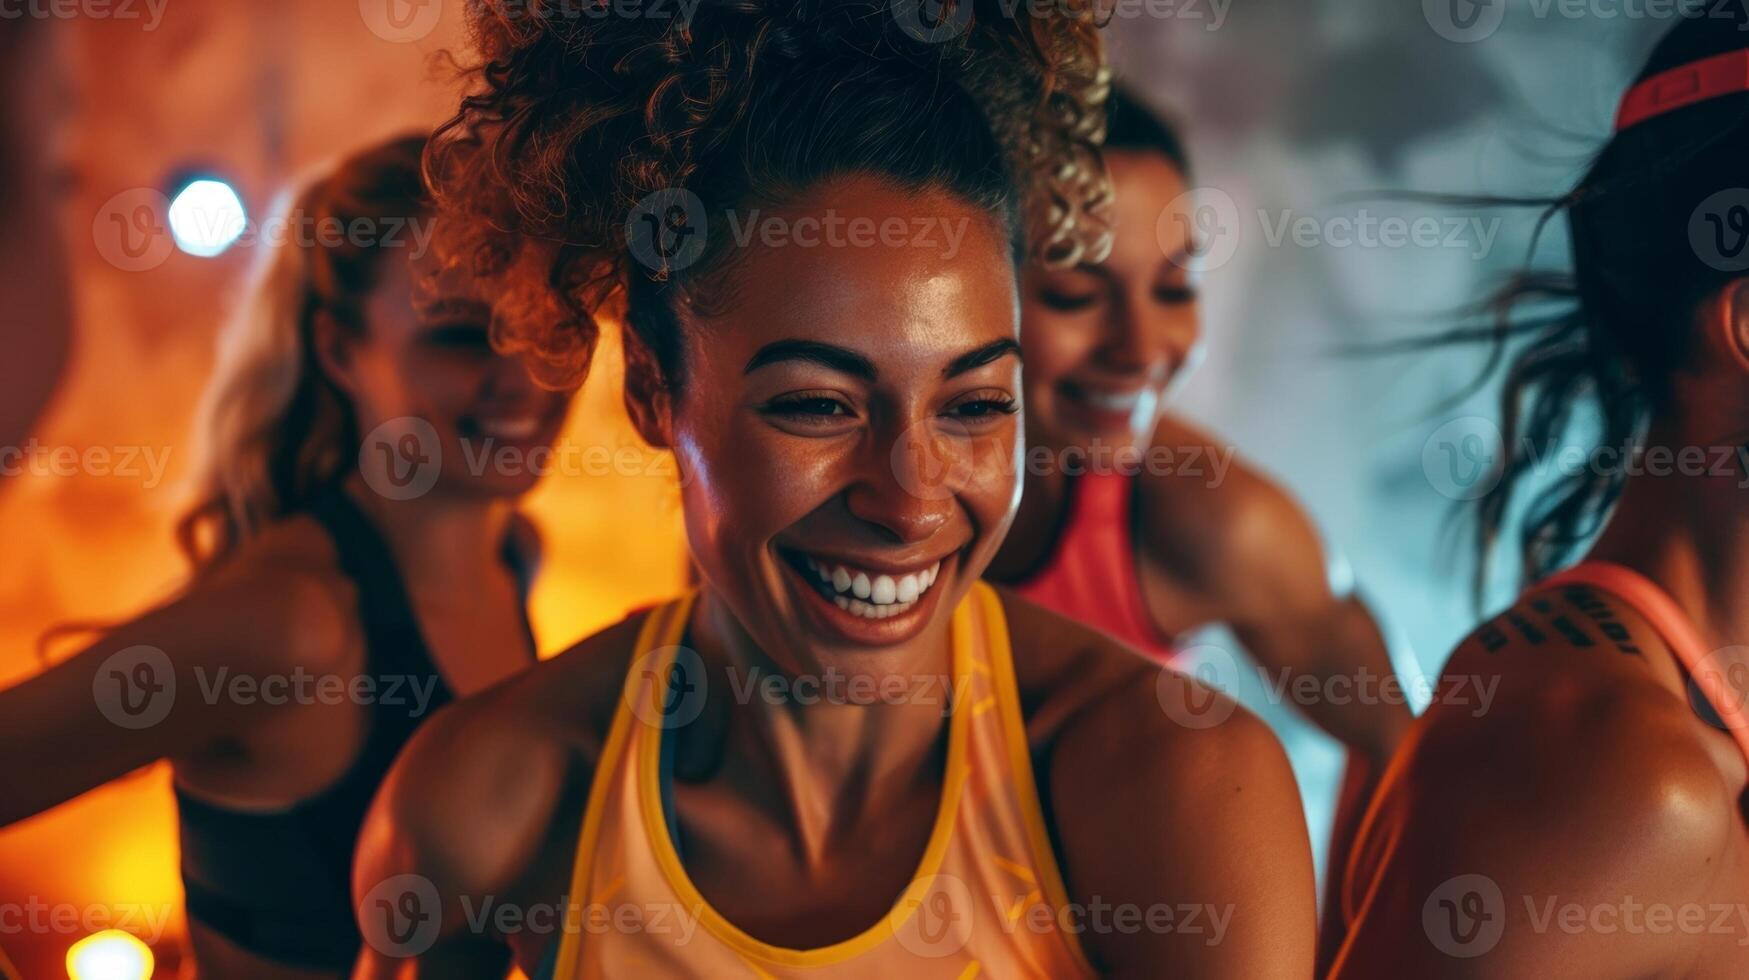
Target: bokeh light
<point x="206" y="217"/>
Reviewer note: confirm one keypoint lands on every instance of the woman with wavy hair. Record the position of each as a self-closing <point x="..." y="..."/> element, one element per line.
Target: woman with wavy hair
<point x="351" y="573"/>
<point x="1139" y="523"/>
<point x="1592" y="823"/>
<point x="844" y="755"/>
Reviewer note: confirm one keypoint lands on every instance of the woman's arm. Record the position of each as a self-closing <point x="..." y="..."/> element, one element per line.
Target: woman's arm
<point x="155" y="688"/>
<point x="1246" y="555"/>
<point x="453" y="831"/>
<point x="1173" y="802"/>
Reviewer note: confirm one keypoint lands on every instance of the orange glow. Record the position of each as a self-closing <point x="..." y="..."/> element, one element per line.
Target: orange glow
<point x="267" y="91"/>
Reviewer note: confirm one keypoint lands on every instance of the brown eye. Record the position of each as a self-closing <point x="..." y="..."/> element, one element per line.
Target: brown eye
<point x="808" y="406"/>
<point x="1175" y="295"/>
<point x="983" y="407"/>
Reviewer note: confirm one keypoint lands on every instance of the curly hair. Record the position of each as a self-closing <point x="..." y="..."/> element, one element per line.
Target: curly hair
<point x="576" y="116"/>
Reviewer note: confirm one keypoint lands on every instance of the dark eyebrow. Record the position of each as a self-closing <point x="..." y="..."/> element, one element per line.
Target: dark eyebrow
<point x="840" y="359"/>
<point x="993" y="351"/>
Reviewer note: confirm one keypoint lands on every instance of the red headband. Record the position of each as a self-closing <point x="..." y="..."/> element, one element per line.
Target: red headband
<point x="1697" y="81"/>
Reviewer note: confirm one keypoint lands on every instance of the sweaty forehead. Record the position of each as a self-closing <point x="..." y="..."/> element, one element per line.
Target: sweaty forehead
<point x="900" y="275"/>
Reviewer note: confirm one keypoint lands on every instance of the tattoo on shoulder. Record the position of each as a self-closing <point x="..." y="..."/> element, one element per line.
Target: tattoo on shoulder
<point x="1595" y="609"/>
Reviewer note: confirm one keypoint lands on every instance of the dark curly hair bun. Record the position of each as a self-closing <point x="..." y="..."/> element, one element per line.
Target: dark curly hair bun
<point x="589" y="115"/>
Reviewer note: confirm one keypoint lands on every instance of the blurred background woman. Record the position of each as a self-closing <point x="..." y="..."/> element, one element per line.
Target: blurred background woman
<point x="354" y="568"/>
<point x="1608" y="777"/>
<point x="1136" y="522"/>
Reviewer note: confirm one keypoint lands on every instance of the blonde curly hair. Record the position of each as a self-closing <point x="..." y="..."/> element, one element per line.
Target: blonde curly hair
<point x="578" y="116"/>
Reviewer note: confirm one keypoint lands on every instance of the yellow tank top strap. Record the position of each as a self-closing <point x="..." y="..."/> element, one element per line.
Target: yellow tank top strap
<point x="986" y="898"/>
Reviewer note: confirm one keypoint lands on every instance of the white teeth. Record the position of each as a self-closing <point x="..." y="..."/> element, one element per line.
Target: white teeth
<point x="878" y="597"/>
<point x="908" y="588"/>
<point x="885" y="590"/>
<point x="1111" y="402"/>
<point x="868" y="610"/>
<point x="521" y="428"/>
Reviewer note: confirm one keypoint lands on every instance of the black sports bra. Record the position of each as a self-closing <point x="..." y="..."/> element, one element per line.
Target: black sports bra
<point x="278" y="883"/>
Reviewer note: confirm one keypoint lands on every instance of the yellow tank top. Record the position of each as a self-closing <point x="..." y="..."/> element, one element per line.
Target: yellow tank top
<point x="986" y="900"/>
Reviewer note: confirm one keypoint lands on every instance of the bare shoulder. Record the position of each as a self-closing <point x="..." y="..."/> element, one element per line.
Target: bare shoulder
<point x="283" y="596"/>
<point x="1216" y="523"/>
<point x="1580" y="775"/>
<point x="1083" y="691"/>
<point x="477" y="793"/>
<point x="1163" y="790"/>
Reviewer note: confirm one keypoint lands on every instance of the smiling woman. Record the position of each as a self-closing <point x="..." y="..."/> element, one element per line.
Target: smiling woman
<point x="843" y="753"/>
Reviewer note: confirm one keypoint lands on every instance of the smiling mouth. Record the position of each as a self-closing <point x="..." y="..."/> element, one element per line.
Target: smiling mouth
<point x="509" y="428"/>
<point x="865" y="593"/>
<point x="1105" y="399"/>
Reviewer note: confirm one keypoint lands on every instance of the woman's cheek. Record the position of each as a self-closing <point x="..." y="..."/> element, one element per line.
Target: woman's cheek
<point x="993" y="492"/>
